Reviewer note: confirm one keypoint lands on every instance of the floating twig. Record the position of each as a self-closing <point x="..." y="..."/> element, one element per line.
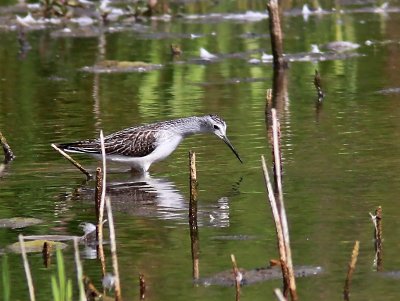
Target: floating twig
<point x="377" y="221"/>
<point x="238" y="276"/>
<point x="27" y="269"/>
<point x="74" y="162"/>
<point x="352" y="266"/>
<point x="317" y="84"/>
<point x="8" y="154"/>
<point x="276" y="34"/>
<point x="142" y="287"/>
<point x="79" y="273"/>
<point x="113" y="246"/>
<point x="279" y="295"/>
<point x="194" y="231"/>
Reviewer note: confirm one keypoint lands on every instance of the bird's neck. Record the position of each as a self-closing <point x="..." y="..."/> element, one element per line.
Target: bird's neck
<point x="191" y="125"/>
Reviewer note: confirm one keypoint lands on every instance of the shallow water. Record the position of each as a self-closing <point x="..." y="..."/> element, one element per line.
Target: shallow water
<point x="341" y="159"/>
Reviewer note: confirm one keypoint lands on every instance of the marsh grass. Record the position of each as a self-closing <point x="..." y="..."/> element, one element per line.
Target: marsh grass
<point x="61" y="286"/>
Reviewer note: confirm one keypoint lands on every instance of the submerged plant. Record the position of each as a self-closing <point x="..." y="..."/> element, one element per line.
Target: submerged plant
<point x="61" y="286"/>
<point x="5" y="278"/>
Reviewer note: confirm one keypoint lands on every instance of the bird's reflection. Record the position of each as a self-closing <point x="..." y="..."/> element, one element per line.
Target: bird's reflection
<point x="157" y="197"/>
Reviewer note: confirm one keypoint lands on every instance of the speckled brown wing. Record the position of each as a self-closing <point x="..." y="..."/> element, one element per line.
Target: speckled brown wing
<point x="134" y="142"/>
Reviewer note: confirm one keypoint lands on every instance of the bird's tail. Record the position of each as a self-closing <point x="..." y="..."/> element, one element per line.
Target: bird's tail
<point x="78" y="147"/>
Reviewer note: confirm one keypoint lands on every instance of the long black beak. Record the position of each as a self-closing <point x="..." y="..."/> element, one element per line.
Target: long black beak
<point x="226" y="140"/>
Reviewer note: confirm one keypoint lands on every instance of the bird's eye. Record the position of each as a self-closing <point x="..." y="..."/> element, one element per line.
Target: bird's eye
<point x="216" y="127"/>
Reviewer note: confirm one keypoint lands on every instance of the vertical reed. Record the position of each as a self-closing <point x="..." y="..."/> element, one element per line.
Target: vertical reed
<point x="27" y="269"/>
<point x="377" y="221"/>
<point x="279" y="212"/>
<point x="194" y="232"/>
<point x="46" y="254"/>
<point x="113" y="245"/>
<point x="79" y="273"/>
<point x="238" y="276"/>
<point x="278" y="227"/>
<point x="276" y="34"/>
<point x="351" y="268"/>
<point x="100" y="250"/>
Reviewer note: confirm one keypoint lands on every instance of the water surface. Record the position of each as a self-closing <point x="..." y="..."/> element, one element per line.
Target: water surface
<point x="341" y="159"/>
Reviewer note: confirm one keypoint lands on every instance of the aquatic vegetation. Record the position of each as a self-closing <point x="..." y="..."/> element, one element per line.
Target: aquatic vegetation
<point x="61" y="286"/>
<point x="35" y="246"/>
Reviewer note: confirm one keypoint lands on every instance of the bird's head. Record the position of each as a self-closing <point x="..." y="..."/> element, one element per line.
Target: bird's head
<point x="217" y="125"/>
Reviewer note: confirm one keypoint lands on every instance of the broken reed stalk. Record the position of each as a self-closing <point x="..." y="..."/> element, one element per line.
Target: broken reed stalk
<point x="46" y="254"/>
<point x="352" y="266"/>
<point x="317" y="84"/>
<point x="74" y="162"/>
<point x="113" y="245"/>
<point x="142" y="287"/>
<point x="278" y="227"/>
<point x="97" y="196"/>
<point x="377" y="221"/>
<point x="275" y="32"/>
<point x="194" y="231"/>
<point x="279" y="295"/>
<point x="79" y="273"/>
<point x="100" y="250"/>
<point x="27" y="269"/>
<point x="8" y="154"/>
<point x="237" y="275"/>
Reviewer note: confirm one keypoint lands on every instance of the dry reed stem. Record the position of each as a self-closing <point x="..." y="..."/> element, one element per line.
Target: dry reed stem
<point x="278" y="225"/>
<point x="237" y="275"/>
<point x="79" y="273"/>
<point x="46" y="254"/>
<point x="277" y="156"/>
<point x="377" y="221"/>
<point x="281" y="206"/>
<point x="101" y="208"/>
<point x="194" y="231"/>
<point x="8" y="154"/>
<point x="279" y="295"/>
<point x="286" y="260"/>
<point x="27" y="269"/>
<point x="193" y="176"/>
<point x="113" y="245"/>
<point x="97" y="197"/>
<point x="351" y="268"/>
<point x="74" y="162"/>
<point x="142" y="286"/>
